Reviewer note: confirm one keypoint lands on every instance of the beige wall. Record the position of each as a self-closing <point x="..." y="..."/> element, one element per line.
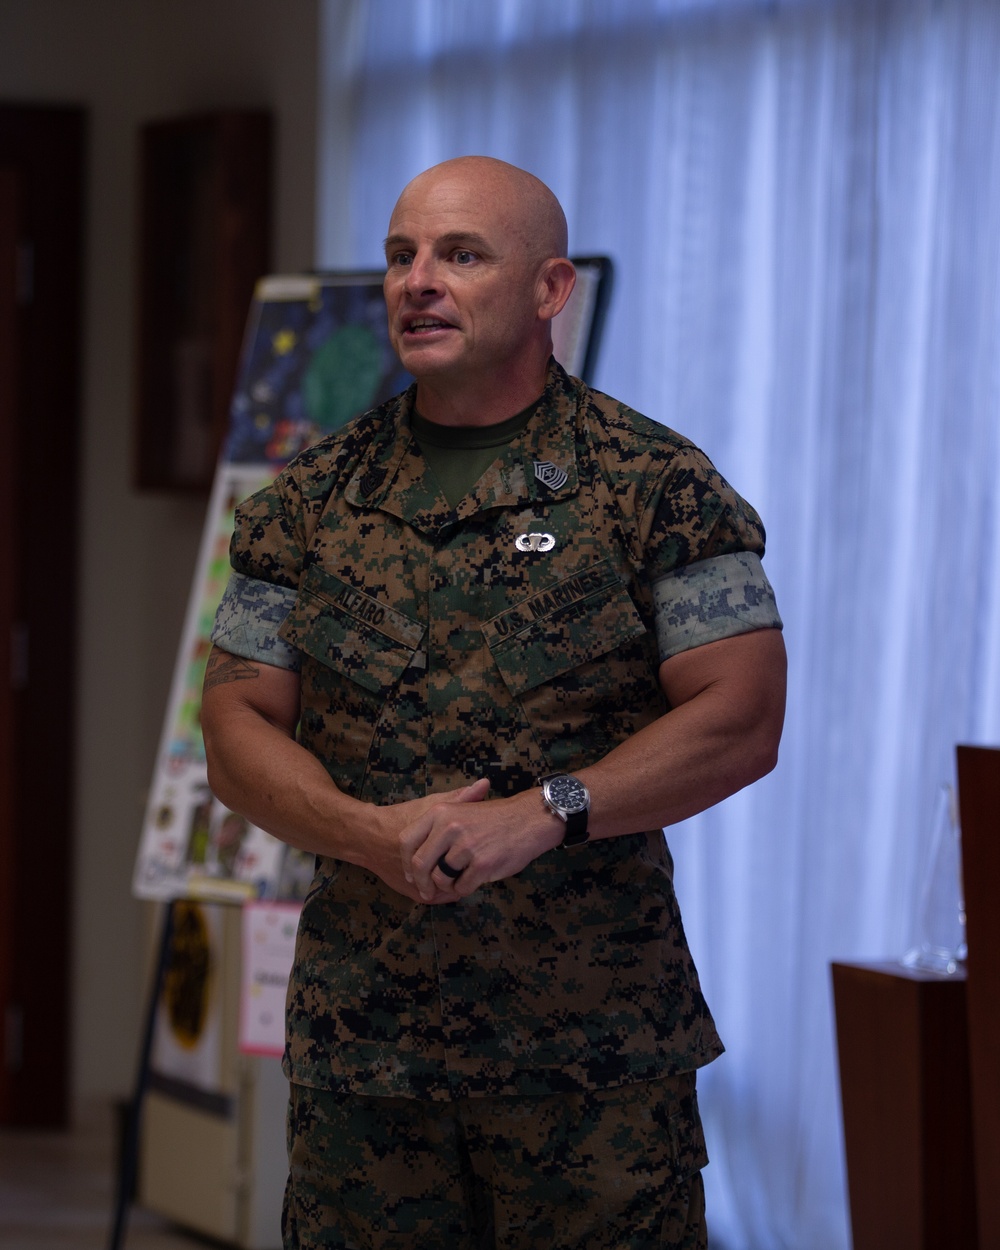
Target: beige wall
<point x="128" y="61"/>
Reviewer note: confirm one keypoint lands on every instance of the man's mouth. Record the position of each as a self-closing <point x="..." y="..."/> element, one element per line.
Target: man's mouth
<point x="425" y="325"/>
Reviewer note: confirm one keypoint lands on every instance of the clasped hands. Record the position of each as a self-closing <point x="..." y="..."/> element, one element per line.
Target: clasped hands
<point x="447" y="846"/>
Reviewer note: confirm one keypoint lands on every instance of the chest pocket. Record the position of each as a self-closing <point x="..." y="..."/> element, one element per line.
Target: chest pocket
<point x="556" y="630"/>
<point x="351" y="632"/>
<point x="579" y="662"/>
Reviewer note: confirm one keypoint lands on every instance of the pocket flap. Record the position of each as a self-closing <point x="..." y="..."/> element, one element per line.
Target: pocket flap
<point x="351" y="632"/>
<point x="555" y="630"/>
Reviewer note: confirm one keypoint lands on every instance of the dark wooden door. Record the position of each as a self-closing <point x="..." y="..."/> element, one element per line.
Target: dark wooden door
<point x="9" y="607"/>
<point x="41" y="213"/>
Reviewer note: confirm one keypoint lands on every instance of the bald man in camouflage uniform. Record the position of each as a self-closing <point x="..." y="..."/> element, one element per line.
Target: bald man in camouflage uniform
<point x="477" y="650"/>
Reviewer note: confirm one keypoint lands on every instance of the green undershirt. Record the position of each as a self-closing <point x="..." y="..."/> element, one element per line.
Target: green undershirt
<point x="459" y="455"/>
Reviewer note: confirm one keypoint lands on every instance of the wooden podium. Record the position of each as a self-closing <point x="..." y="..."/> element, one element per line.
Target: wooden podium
<point x="920" y="1065"/>
<point x="979" y="813"/>
<point x="904" y="1086"/>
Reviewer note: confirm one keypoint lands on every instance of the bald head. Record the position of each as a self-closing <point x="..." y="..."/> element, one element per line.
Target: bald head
<point x="476" y="270"/>
<point x="526" y="208"/>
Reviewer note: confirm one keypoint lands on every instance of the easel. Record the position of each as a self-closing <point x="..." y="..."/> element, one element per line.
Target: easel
<point x="128" y="1162"/>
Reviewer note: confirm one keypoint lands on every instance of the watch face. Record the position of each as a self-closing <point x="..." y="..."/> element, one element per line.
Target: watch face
<point x="568" y="794"/>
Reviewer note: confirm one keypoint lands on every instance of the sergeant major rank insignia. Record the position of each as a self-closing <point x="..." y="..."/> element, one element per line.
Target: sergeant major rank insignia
<point x="550" y="474"/>
<point x="371" y="481"/>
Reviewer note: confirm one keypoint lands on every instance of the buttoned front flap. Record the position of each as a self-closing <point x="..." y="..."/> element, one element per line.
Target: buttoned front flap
<point x="352" y="632"/>
<point x="562" y="627"/>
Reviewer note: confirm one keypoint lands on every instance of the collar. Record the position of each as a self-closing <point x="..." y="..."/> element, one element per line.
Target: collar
<point x="539" y="466"/>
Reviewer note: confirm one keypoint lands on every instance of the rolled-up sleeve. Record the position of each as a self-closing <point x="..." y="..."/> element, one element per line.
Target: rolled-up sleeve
<point x="712" y="599"/>
<point x="248" y="619"/>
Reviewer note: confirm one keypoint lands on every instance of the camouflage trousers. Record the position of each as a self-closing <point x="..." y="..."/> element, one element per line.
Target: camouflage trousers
<point x="611" y="1169"/>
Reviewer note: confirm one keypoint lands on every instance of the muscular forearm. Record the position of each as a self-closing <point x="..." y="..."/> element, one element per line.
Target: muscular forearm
<point x="683" y="763"/>
<point x="249" y="714"/>
<point x="258" y="770"/>
<point x="255" y="767"/>
<point x="728" y="707"/>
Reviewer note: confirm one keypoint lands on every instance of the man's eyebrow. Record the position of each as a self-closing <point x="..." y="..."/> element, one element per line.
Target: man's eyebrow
<point x="454" y="238"/>
<point x="467" y="238"/>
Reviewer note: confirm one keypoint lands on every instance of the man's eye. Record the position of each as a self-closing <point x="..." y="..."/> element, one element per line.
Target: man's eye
<point x="463" y="257"/>
<point x="401" y="258"/>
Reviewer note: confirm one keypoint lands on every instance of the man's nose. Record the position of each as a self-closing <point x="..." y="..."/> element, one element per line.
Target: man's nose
<point x="422" y="275"/>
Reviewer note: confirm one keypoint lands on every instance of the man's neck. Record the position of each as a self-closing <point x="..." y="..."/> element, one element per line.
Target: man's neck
<point x="477" y="401"/>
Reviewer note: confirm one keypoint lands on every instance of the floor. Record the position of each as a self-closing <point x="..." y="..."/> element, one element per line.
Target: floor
<point x="57" y="1192"/>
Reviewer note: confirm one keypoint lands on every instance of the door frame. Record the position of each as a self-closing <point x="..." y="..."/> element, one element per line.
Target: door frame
<point x="42" y="154"/>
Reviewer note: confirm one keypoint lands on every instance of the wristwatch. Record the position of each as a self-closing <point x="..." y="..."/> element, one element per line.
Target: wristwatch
<point x="569" y="799"/>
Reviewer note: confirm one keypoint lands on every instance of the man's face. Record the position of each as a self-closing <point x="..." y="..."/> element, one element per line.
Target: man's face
<point x="460" y="286"/>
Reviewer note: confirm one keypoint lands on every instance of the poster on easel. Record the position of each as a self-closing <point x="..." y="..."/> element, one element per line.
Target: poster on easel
<point x="187" y="1042"/>
<point x="316" y="354"/>
<point x="267" y="949"/>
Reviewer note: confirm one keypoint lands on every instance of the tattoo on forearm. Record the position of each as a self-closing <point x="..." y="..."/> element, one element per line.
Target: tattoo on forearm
<point x="223" y="667"/>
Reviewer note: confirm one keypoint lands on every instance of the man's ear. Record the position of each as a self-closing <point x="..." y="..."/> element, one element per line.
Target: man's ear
<point x="556" y="280"/>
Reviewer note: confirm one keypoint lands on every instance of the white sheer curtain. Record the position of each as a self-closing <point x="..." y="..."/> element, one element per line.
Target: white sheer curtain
<point x="801" y="201"/>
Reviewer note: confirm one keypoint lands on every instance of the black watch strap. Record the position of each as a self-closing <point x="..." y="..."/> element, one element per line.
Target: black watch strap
<point x="576" y="829"/>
